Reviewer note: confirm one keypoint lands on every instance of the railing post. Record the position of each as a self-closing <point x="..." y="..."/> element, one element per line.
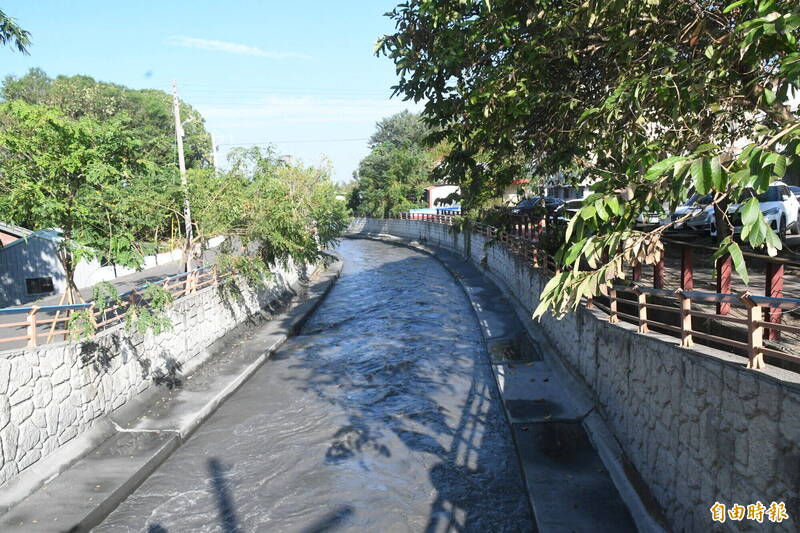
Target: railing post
<point x="91" y="317"/>
<point x="773" y="289"/>
<point x="216" y="275"/>
<point x="636" y="271"/>
<point x="32" y="333"/>
<point x="724" y="269"/>
<point x="755" y="334"/>
<point x="686" y="320"/>
<point x="687" y="266"/>
<point x="658" y="273"/>
<point x="612" y="305"/>
<point x="642" y="300"/>
<point x="132" y="303"/>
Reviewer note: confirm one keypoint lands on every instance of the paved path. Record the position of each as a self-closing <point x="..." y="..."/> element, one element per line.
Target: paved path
<point x="381" y="416"/>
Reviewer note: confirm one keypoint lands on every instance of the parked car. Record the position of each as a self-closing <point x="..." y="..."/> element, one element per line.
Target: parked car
<point x="700" y="214"/>
<point x="779" y="206"/>
<point x="648" y="219"/>
<point x="538" y="206"/>
<point x="569" y="209"/>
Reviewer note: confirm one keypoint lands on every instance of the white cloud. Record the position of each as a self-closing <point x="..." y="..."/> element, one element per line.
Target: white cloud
<point x="231" y="48"/>
<point x="305" y="109"/>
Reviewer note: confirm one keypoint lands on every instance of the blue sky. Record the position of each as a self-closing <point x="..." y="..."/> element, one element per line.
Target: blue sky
<point x="300" y="74"/>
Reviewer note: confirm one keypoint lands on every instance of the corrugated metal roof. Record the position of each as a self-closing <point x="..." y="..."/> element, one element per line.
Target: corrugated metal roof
<point x="44" y="234"/>
<point x="19" y="231"/>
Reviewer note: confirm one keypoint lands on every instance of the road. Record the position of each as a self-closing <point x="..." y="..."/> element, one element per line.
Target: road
<point x="381" y="416"/>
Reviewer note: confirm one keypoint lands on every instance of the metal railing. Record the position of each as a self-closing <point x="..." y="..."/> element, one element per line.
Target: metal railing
<point x="755" y="318"/>
<point x="39" y="330"/>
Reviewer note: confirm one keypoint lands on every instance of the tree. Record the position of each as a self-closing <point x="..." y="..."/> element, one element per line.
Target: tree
<point x="72" y="175"/>
<point x="276" y="211"/>
<point x="11" y="34"/>
<point x="393" y="176"/>
<point x="648" y="100"/>
<point x="147" y="118"/>
<point x="404" y="127"/>
<point x="147" y="112"/>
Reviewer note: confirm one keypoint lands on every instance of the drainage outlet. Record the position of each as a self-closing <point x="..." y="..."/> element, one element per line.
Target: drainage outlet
<point x="517" y="349"/>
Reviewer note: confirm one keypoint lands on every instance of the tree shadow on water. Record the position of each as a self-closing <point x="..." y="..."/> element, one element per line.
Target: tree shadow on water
<point x="223" y="497"/>
<point x="409" y="371"/>
<point x="331" y="521"/>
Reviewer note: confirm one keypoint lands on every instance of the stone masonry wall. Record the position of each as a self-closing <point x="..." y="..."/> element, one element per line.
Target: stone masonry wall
<point x="51" y="394"/>
<point x="695" y="423"/>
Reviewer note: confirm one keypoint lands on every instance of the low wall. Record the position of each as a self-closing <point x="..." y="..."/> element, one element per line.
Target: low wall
<point x="696" y="425"/>
<point x="51" y="394"/>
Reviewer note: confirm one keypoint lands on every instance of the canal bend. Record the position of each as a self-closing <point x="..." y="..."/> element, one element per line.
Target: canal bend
<point x="382" y="415"/>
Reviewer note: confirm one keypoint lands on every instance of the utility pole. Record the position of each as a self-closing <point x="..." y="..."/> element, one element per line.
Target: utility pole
<point x="214" y="151"/>
<point x="187" y="214"/>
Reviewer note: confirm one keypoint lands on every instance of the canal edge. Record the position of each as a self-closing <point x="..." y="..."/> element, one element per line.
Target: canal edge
<point x="36" y="511"/>
<point x="609" y="450"/>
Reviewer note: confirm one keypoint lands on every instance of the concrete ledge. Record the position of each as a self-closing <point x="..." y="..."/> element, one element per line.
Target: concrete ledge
<point x="89" y="488"/>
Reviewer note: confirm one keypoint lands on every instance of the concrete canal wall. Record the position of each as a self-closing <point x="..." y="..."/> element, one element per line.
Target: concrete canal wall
<point x="53" y="394"/>
<point x="694" y="424"/>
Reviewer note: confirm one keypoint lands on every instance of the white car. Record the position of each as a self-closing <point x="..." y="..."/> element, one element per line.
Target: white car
<point x="779" y="206"/>
<point x="701" y="214"/>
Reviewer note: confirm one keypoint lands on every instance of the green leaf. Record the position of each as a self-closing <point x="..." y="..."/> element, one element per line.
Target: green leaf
<point x="734" y="5"/>
<point x="701" y="175"/>
<point x="588" y="112"/>
<point x="655" y="171"/>
<point x="779" y="169"/>
<point x="600" y="208"/>
<point x="575" y="226"/>
<point x="707" y="147"/>
<point x="738" y="262"/>
<point x="750" y="212"/>
<point x="774" y="243"/>
<point x="717" y="174"/>
<point x="614" y="205"/>
<point x="573" y="252"/>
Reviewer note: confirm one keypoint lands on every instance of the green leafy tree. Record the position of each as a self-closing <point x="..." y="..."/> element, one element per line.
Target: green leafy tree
<point x="11" y="34"/>
<point x="147" y="112"/>
<point x="71" y="175"/>
<point x="650" y="101"/>
<point x="153" y="192"/>
<point x="274" y="211"/>
<point x="393" y="176"/>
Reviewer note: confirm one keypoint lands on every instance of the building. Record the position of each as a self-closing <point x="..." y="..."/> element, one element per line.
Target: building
<point x="10" y="233"/>
<point x="30" y="269"/>
<point x="29" y="266"/>
<point x="436" y="195"/>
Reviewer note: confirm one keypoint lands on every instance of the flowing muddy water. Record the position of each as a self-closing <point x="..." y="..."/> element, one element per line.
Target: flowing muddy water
<point x="382" y="415"/>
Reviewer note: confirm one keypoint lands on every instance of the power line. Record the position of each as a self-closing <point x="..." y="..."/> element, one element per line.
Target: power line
<point x="295" y="141"/>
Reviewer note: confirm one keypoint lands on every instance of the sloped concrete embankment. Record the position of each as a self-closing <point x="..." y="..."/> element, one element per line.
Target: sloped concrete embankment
<point x="678" y="429"/>
<point x="144" y="432"/>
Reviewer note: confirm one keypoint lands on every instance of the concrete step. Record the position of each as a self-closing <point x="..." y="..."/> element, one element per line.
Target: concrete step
<point x="570" y="489"/>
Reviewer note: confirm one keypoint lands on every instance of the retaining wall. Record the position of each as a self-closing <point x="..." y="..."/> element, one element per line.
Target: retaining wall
<point x="696" y="425"/>
<point x="51" y="394"/>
